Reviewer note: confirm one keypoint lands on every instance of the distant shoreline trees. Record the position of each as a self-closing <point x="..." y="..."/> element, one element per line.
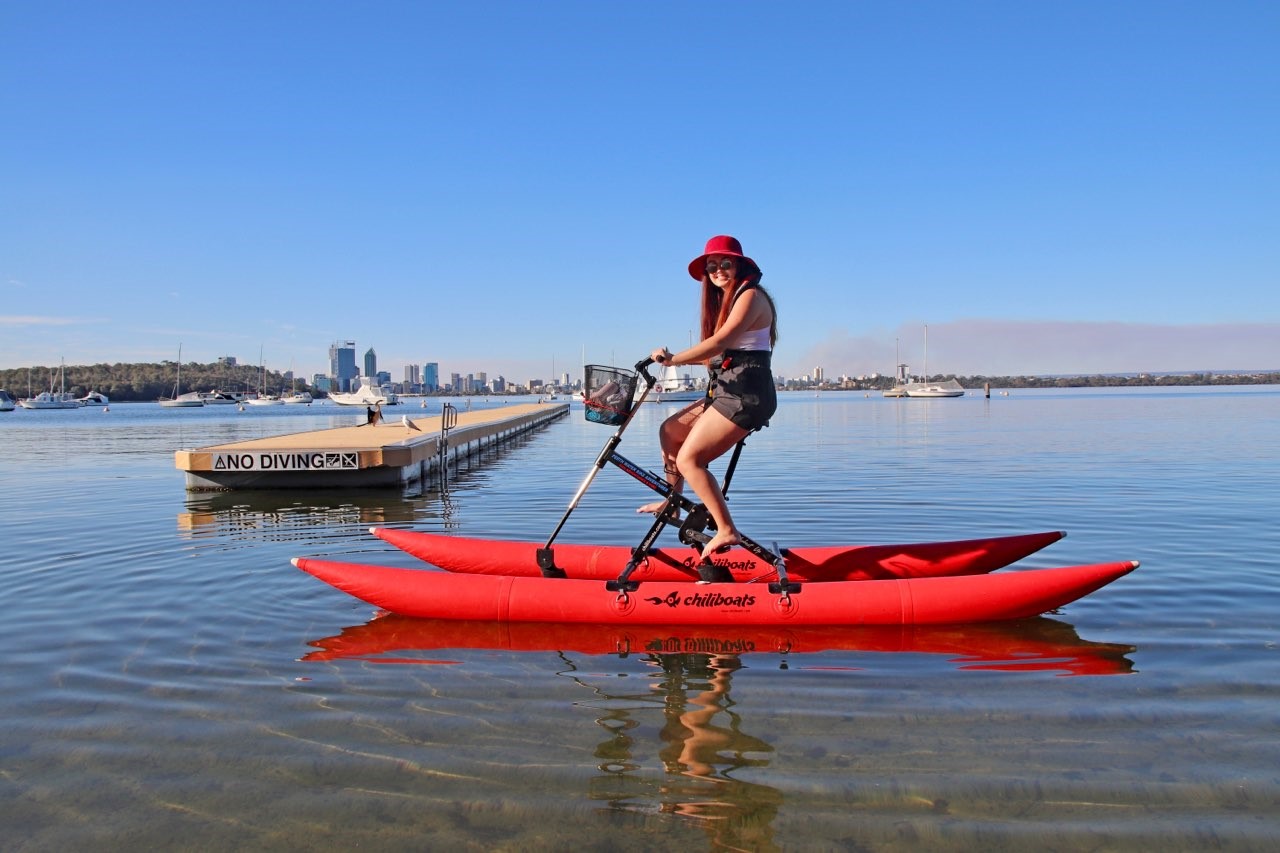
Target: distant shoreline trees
<point x="148" y="382"/>
<point x="141" y="382"/>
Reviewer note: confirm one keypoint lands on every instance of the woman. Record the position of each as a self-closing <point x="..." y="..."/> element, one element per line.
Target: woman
<point x="739" y="329"/>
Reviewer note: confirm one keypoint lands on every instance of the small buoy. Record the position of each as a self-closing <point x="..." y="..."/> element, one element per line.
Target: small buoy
<point x="106" y="408"/>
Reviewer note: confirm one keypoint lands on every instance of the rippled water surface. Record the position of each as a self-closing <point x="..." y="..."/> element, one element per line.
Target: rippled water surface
<point x="172" y="682"/>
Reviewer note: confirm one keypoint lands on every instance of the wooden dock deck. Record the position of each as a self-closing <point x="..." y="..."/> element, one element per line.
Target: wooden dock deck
<point x="363" y="456"/>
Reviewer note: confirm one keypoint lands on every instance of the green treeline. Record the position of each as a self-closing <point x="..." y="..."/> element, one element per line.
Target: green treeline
<point x="141" y="382"/>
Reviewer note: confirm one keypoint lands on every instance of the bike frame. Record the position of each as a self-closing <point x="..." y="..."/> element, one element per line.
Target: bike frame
<point x="692" y="530"/>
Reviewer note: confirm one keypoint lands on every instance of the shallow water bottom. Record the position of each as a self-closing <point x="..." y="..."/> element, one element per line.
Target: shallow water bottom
<point x="494" y="750"/>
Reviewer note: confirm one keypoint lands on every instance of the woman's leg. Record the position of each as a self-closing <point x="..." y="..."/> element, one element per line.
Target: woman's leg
<point x="707" y="440"/>
<point x="671" y="435"/>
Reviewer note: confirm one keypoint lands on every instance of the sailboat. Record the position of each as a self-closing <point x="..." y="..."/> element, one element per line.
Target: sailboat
<point x="189" y="400"/>
<point x="52" y="399"/>
<point x="300" y="398"/>
<point x="946" y="388"/>
<point x="672" y="387"/>
<point x="263" y="398"/>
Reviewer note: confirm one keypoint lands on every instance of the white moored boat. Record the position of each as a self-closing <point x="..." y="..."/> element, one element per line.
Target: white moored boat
<point x="365" y="395"/>
<point x="672" y="387"/>
<point x="221" y="398"/>
<point x="189" y="400"/>
<point x="262" y="398"/>
<point x="944" y="388"/>
<point x="94" y="398"/>
<point x="949" y="388"/>
<point x="52" y="399"/>
<point x="7" y="402"/>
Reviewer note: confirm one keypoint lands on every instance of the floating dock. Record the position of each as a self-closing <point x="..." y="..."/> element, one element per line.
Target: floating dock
<point x="364" y="456"/>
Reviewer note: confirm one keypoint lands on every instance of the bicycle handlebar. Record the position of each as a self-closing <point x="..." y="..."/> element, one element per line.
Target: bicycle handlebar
<point x="642" y="367"/>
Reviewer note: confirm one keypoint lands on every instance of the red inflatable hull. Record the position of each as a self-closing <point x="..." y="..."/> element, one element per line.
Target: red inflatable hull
<point x="911" y="601"/>
<point x="833" y="563"/>
<point x="1038" y="645"/>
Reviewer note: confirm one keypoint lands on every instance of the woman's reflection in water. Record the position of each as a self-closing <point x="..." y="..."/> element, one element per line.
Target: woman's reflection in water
<point x="702" y="746"/>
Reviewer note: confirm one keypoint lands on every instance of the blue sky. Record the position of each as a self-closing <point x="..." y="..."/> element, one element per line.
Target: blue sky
<point x="1052" y="187"/>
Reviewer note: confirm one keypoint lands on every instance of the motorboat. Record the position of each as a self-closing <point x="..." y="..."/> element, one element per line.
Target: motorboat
<point x="7" y="401"/>
<point x="299" y="398"/>
<point x="221" y="398"/>
<point x="94" y="398"/>
<point x="365" y="395"/>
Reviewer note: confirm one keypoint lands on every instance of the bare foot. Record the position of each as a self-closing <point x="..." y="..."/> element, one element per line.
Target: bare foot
<point x="722" y="541"/>
<point x="654" y="508"/>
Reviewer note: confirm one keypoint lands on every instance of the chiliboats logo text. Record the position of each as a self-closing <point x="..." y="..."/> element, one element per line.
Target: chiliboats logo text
<point x="731" y="565"/>
<point x="703" y="599"/>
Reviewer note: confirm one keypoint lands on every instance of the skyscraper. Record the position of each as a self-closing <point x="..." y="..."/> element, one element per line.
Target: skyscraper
<point x="371" y="364"/>
<point x="342" y="364"/>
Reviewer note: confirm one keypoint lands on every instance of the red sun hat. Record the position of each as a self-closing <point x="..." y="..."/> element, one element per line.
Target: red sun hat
<point x="721" y="245"/>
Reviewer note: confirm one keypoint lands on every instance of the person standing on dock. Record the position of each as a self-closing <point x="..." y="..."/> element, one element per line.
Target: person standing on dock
<point x="739" y="330"/>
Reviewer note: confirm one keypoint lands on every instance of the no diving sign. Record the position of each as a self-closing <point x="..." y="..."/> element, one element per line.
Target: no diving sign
<point x="306" y="460"/>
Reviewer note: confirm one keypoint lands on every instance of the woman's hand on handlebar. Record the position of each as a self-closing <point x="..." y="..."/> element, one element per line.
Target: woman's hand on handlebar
<point x="661" y="356"/>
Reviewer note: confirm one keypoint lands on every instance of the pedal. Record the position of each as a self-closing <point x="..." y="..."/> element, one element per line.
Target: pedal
<point x="693" y="530"/>
<point x="709" y="572"/>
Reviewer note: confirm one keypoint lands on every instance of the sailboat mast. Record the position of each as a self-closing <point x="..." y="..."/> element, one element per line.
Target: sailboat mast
<point x="926" y="352"/>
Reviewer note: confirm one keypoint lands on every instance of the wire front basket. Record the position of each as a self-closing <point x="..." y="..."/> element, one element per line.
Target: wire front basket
<point x="609" y="394"/>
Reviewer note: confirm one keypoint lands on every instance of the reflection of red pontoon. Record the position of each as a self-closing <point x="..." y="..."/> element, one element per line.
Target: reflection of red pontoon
<point x="836" y="563"/>
<point x="996" y="597"/>
<point x="1031" y="645"/>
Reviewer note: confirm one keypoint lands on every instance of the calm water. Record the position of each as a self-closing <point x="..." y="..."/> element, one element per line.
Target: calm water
<point x="171" y="682"/>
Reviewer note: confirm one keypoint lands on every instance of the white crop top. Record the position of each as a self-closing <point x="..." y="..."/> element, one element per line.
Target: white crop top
<point x="751" y="340"/>
<point x="754" y="340"/>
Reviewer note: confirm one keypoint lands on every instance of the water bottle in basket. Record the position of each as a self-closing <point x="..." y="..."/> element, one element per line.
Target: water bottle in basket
<point x="609" y="394"/>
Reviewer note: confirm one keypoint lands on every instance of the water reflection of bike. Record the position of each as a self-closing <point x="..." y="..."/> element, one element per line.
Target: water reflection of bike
<point x="684" y="715"/>
<point x="1031" y="645"/>
<point x="702" y="745"/>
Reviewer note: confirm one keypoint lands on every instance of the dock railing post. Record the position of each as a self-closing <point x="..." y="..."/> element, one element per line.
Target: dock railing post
<point x="448" y="420"/>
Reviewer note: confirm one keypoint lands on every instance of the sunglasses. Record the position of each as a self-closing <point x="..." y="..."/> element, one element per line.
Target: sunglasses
<point x="724" y="266"/>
